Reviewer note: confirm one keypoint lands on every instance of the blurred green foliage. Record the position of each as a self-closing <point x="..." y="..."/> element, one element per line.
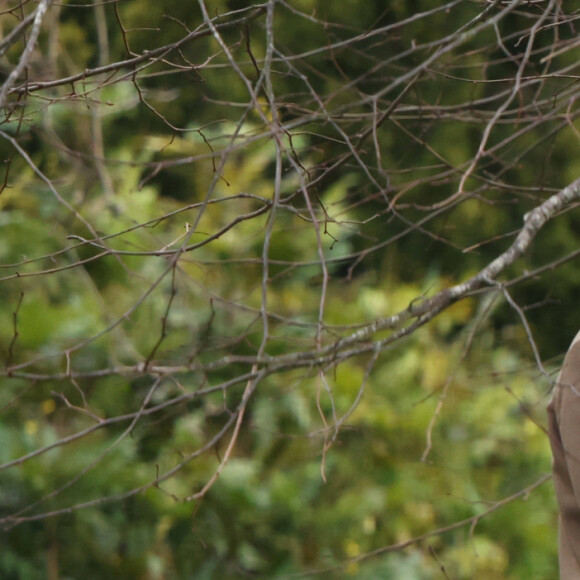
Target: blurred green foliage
<point x="451" y="418"/>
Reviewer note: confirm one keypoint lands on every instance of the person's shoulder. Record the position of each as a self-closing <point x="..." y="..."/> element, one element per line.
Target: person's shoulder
<point x="571" y="368"/>
<point x="575" y="342"/>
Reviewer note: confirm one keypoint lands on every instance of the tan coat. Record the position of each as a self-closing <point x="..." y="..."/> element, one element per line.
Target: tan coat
<point x="564" y="431"/>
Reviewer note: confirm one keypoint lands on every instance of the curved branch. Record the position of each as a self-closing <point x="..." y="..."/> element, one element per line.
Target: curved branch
<point x="26" y="53"/>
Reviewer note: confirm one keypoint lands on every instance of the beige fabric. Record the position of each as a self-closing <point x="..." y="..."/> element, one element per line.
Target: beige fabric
<point x="564" y="431"/>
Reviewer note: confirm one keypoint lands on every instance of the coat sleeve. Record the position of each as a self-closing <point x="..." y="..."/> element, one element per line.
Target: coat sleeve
<point x="564" y="432"/>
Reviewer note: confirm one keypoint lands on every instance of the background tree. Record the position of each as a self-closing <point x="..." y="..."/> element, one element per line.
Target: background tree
<point x="284" y="286"/>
